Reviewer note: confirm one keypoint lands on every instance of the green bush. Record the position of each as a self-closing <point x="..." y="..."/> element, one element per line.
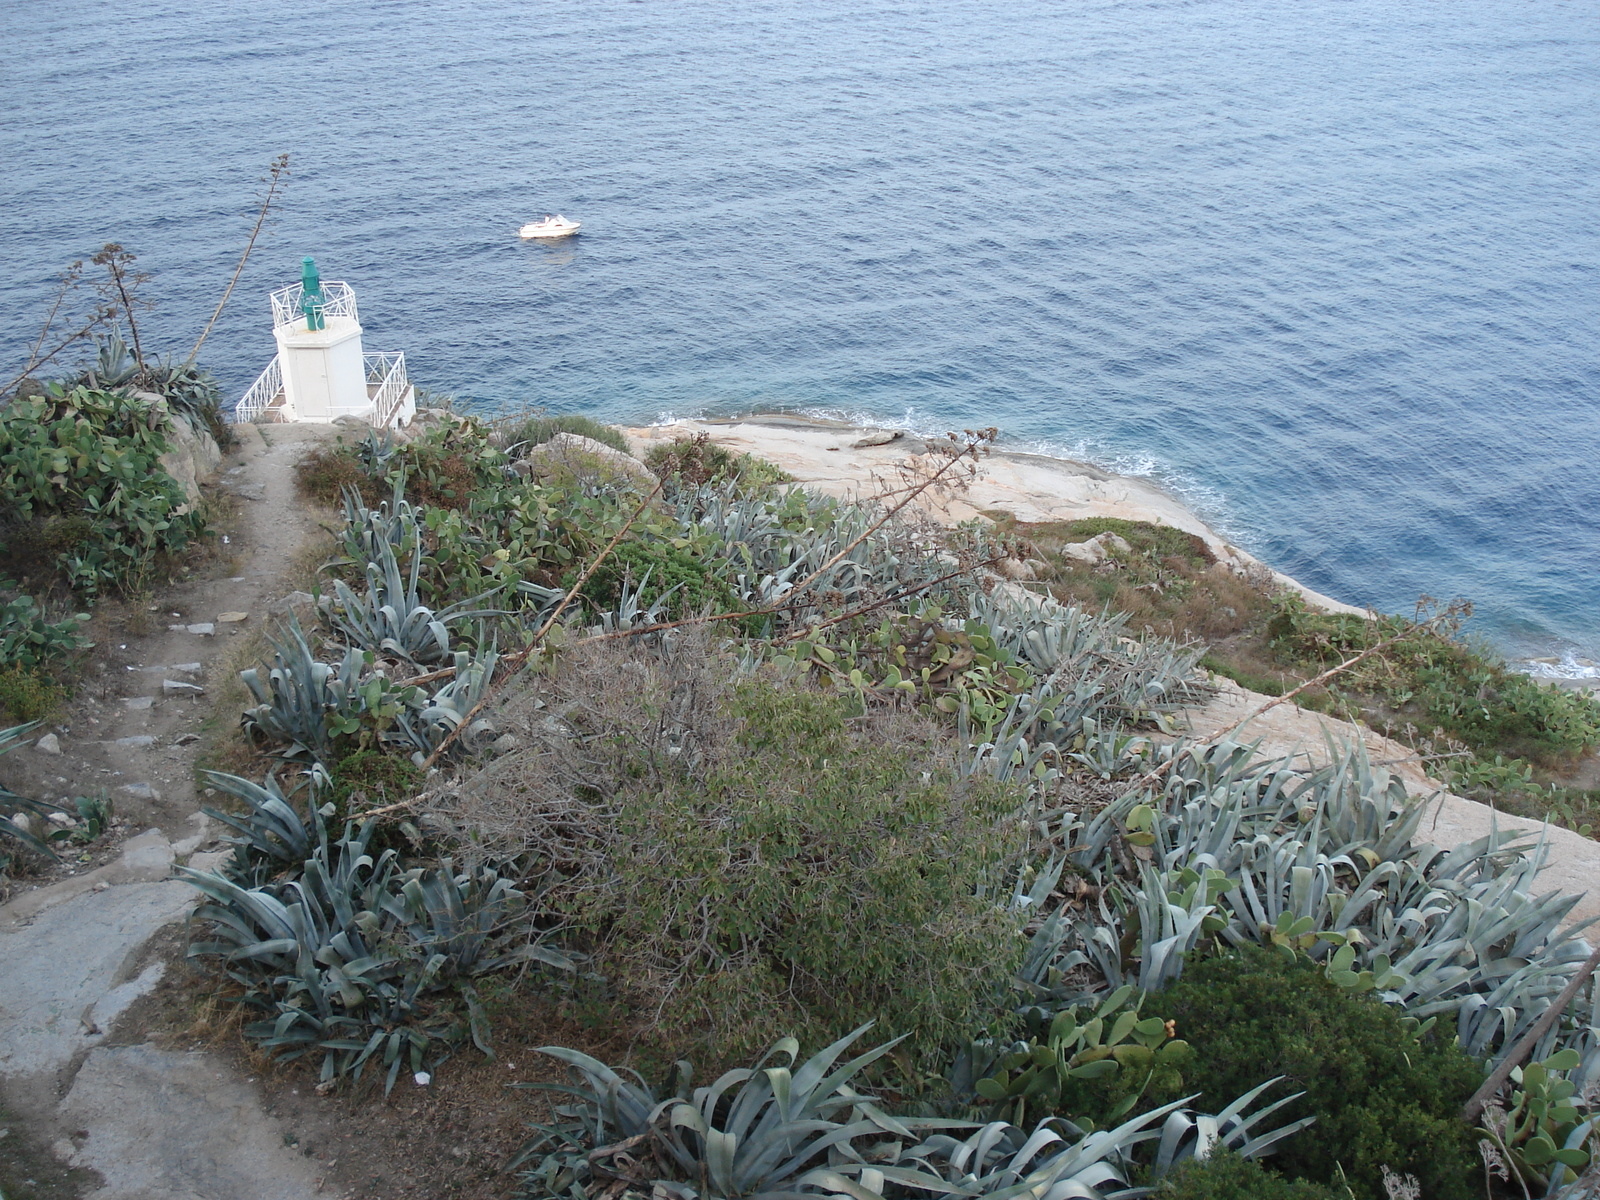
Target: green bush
<point x="83" y="490"/>
<point x="1381" y="1096"/>
<point x="1225" y="1176"/>
<point x="698" y="460"/>
<point x="654" y="568"/>
<point x="28" y="640"/>
<point x="539" y="430"/>
<point x="768" y="860"/>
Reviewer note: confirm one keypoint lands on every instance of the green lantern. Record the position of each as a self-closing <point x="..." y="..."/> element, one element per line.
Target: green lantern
<point x="311" y="302"/>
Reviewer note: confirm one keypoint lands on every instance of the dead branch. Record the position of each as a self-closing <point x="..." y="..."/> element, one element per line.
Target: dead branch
<point x="276" y="172"/>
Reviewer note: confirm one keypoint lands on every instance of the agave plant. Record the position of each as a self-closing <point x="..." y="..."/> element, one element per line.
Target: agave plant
<point x="775" y="1131"/>
<point x="273" y="833"/>
<point x="348" y="958"/>
<point x="391" y="618"/>
<point x="1324" y="862"/>
<point x="763" y="1131"/>
<point x="10" y="828"/>
<point x="295" y="699"/>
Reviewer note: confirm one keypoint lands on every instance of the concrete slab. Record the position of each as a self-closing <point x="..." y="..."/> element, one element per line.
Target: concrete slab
<point x="177" y="1125"/>
<point x="67" y="975"/>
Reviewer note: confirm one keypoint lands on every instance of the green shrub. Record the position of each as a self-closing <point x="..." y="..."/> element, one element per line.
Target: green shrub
<point x="757" y="858"/>
<point x="83" y="490"/>
<point x="28" y="640"/>
<point x="370" y="779"/>
<point x="654" y="568"/>
<point x="1225" y="1176"/>
<point x="27" y="694"/>
<point x="326" y="472"/>
<point x="446" y="467"/>
<point x="697" y="460"/>
<point x="1381" y="1096"/>
<point x="539" y="430"/>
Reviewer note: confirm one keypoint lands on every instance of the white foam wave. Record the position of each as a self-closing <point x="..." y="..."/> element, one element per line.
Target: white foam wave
<point x="1567" y="665"/>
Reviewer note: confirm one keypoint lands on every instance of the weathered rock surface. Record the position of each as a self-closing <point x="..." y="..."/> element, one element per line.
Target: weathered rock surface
<point x="876" y="437"/>
<point x="171" y="1125"/>
<point x="194" y="456"/>
<point x="1097" y="549"/>
<point x="64" y="1002"/>
<point x="147" y="858"/>
<point x="567" y="455"/>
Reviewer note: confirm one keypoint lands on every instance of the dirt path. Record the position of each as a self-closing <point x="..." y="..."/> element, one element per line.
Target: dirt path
<point x="124" y="1120"/>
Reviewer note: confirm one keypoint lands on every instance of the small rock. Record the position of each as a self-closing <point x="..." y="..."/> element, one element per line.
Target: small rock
<point x="298" y="603"/>
<point x="48" y="744"/>
<point x="139" y="791"/>
<point x="138" y="742"/>
<point x="61" y="819"/>
<point x="23" y="822"/>
<point x="877" y="437"/>
<point x="249" y="491"/>
<point x="186" y="739"/>
<point x="177" y="685"/>
<point x="506" y="743"/>
<point x="203" y="629"/>
<point x="186" y="668"/>
<point x="139" y="703"/>
<point x="422" y="1078"/>
<point x="1097" y="549"/>
<point x="232" y="618"/>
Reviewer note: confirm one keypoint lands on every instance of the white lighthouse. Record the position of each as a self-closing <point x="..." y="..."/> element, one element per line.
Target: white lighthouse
<point x="321" y="372"/>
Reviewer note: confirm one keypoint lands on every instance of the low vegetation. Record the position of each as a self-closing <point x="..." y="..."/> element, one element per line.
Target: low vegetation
<point x="897" y="856"/>
<point x="88" y="510"/>
<point x="1486" y="731"/>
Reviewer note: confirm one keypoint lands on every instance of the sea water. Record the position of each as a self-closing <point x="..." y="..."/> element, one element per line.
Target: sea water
<point x="1325" y="269"/>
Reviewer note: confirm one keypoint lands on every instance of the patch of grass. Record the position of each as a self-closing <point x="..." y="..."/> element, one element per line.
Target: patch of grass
<point x="1438" y="680"/>
<point x="371" y="779"/>
<point x="1167" y="579"/>
<point x="535" y="431"/>
<point x="28" y="694"/>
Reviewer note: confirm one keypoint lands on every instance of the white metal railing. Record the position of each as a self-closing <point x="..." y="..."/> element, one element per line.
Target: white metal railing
<point x="262" y="393"/>
<point x="388" y="371"/>
<point x="338" y="300"/>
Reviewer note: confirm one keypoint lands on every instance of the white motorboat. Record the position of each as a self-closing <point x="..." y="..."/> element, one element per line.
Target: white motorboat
<point x="550" y="227"/>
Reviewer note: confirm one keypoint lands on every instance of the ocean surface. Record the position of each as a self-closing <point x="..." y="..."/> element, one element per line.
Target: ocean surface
<point x="1329" y="270"/>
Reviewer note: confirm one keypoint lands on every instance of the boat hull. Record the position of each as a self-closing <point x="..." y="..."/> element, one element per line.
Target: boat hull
<point x="549" y="231"/>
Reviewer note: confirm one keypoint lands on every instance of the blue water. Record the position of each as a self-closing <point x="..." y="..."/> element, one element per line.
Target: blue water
<point x="1327" y="269"/>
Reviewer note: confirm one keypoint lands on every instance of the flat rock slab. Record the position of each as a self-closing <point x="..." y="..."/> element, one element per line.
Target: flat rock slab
<point x="178" y="1125"/>
<point x="68" y="975"/>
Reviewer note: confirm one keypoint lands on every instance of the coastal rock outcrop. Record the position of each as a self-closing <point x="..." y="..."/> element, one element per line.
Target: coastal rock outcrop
<point x="568" y="456"/>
